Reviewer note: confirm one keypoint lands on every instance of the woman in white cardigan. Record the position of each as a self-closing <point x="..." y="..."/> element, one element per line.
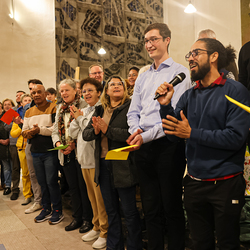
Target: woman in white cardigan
<point x="91" y="91"/>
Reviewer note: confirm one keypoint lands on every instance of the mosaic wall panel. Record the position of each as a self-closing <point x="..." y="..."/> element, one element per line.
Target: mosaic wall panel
<point x="83" y="26"/>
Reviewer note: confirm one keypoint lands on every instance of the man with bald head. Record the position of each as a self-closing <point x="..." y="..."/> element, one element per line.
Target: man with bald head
<point x="37" y="127"/>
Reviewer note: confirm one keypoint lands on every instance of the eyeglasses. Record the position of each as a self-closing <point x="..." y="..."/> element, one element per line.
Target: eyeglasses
<point x="113" y="84"/>
<point x="96" y="73"/>
<point x="152" y="41"/>
<point x="85" y="91"/>
<point x="194" y="53"/>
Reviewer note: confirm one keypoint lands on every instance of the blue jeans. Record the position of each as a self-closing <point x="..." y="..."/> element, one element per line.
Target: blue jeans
<point x="45" y="165"/>
<point x="111" y="197"/>
<point x="7" y="170"/>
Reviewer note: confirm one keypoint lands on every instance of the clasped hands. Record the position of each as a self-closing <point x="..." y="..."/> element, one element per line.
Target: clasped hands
<point x="99" y="125"/>
<point x="31" y="132"/>
<point x="135" y="139"/>
<point x="66" y="151"/>
<point x="5" y="142"/>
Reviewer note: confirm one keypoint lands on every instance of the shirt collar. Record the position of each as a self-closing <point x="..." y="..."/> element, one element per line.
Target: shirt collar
<point x="167" y="63"/>
<point x="219" y="81"/>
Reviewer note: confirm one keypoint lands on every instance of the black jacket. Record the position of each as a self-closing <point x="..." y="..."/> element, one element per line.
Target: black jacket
<point x="123" y="173"/>
<point x="4" y="150"/>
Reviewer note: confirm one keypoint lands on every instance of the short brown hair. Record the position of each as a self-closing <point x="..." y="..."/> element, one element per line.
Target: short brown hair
<point x="162" y="27"/>
<point x="163" y="30"/>
<point x="7" y="99"/>
<point x="52" y="91"/>
<point x="25" y="95"/>
<point x="92" y="81"/>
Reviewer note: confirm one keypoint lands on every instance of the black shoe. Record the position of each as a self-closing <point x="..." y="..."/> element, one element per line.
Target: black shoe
<point x="73" y="225"/>
<point x="7" y="191"/>
<point x="14" y="196"/>
<point x="86" y="226"/>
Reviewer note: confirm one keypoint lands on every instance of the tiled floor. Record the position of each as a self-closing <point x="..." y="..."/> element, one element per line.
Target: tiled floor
<point x="18" y="231"/>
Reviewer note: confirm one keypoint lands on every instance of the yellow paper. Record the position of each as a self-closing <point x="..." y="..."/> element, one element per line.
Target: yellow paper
<point x="238" y="104"/>
<point x="118" y="154"/>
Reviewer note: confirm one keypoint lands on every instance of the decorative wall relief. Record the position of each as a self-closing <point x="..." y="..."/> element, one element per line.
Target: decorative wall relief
<point x="83" y="26"/>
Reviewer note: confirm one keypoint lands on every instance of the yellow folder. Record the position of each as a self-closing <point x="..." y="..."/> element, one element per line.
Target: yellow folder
<point x="119" y="153"/>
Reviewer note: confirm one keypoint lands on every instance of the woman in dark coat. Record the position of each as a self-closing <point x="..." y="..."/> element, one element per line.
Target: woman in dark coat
<point x="117" y="179"/>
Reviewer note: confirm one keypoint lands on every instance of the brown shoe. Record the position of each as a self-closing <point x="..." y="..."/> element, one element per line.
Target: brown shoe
<point x="2" y="187"/>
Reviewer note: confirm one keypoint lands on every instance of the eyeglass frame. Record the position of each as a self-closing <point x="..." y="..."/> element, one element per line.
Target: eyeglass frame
<point x="196" y="53"/>
<point x="153" y="40"/>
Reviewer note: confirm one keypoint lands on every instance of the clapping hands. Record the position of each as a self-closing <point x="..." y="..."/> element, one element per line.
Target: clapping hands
<point x="99" y="125"/>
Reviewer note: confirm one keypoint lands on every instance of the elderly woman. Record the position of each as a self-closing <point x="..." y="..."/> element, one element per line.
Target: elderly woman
<point x="91" y="91"/>
<point x="82" y="212"/>
<point x="117" y="179"/>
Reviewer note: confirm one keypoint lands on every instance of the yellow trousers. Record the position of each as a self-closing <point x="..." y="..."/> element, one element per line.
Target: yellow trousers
<point x="25" y="174"/>
<point x="100" y="218"/>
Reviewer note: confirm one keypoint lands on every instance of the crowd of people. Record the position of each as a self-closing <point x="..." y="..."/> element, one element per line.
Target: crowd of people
<point x="190" y="124"/>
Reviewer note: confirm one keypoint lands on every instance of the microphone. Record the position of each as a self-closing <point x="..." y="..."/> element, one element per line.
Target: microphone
<point x="177" y="79"/>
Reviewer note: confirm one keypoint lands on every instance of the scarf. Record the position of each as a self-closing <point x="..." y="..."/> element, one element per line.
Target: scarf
<point x="65" y="108"/>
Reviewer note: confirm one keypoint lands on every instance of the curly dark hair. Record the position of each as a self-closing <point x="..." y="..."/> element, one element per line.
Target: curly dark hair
<point x="226" y="54"/>
<point x="92" y="81"/>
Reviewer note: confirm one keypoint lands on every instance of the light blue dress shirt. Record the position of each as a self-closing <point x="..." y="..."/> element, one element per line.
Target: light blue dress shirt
<point x="144" y="110"/>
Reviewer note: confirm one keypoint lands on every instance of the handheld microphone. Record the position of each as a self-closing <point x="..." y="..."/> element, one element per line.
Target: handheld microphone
<point x="177" y="79"/>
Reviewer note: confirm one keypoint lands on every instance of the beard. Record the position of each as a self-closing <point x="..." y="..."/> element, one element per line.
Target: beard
<point x="202" y="71"/>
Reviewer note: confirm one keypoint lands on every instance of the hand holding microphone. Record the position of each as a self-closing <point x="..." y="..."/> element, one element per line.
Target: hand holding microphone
<point x="177" y="79"/>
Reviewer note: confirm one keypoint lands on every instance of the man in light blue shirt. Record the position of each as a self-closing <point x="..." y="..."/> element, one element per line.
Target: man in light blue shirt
<point x="160" y="162"/>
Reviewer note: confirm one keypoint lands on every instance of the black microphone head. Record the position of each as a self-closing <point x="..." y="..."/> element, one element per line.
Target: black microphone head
<point x="182" y="76"/>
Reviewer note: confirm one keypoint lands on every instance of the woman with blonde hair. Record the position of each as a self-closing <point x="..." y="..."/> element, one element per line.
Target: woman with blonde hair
<point x="117" y="179"/>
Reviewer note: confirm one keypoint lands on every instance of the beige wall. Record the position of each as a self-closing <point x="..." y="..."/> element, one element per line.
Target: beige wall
<point x="27" y="47"/>
<point x="222" y="16"/>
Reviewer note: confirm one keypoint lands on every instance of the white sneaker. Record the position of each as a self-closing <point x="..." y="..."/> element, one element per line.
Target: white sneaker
<point x="100" y="243"/>
<point x="36" y="206"/>
<point x="91" y="235"/>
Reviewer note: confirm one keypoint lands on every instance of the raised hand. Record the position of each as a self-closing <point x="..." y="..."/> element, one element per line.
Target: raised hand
<point x="166" y="92"/>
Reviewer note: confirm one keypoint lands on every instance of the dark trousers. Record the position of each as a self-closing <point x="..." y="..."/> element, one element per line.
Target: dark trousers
<point x="47" y="177"/>
<point x="2" y="174"/>
<point x="111" y="197"/>
<point x="81" y="206"/>
<point x="15" y="175"/>
<point x="161" y="166"/>
<point x="214" y="206"/>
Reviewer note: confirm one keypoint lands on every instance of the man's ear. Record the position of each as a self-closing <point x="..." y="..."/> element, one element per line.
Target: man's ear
<point x="214" y="57"/>
<point x="167" y="39"/>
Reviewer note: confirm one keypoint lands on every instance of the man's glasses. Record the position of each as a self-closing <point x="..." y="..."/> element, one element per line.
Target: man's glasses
<point x="96" y="73"/>
<point x="152" y="41"/>
<point x="85" y="91"/>
<point x="194" y="53"/>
